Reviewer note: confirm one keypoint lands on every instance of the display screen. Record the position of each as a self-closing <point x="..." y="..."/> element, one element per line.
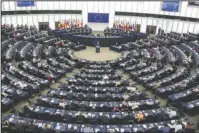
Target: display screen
<point x="98" y="17"/>
<point x="194" y="3"/>
<point x="170" y="6"/>
<point x="25" y="3"/>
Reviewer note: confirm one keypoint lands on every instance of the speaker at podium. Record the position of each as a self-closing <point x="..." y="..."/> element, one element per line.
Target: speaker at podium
<point x="97" y="46"/>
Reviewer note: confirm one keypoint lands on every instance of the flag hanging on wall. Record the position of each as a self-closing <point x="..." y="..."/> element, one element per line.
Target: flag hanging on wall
<point x="127" y="26"/>
<point x="63" y="24"/>
<point x="98" y="17"/>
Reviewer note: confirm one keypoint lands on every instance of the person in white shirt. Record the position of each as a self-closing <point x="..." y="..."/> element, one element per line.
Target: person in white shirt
<point x="87" y="129"/>
<point x="11" y="68"/>
<point x="2" y="77"/>
<point x="171" y="113"/>
<point x="118" y="83"/>
<point x="134" y="106"/>
<point x="39" y="64"/>
<point x="78" y="113"/>
<point x="34" y="60"/>
<point x="131" y="89"/>
<point x="18" y="92"/>
<point x="62" y="104"/>
<point x="190" y="59"/>
<point x="22" y="85"/>
<point x="4" y="94"/>
<point x="176" y="126"/>
<point x="125" y="96"/>
<point x="105" y="77"/>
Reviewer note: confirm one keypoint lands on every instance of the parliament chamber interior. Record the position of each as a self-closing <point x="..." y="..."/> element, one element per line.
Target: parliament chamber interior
<point x="73" y="66"/>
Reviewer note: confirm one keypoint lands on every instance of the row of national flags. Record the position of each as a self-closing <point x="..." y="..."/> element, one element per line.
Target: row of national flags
<point x="70" y="24"/>
<point x="128" y="26"/>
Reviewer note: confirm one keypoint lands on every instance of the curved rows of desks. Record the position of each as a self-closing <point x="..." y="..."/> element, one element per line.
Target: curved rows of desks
<point x="104" y="41"/>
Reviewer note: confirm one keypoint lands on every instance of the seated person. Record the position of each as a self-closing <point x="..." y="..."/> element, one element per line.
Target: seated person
<point x="62" y="104"/>
<point x="5" y="126"/>
<point x="125" y="96"/>
<point x="20" y="127"/>
<point x="197" y="91"/>
<point x="118" y="83"/>
<point x="104" y="118"/>
<point x="190" y="58"/>
<point x="32" y="128"/>
<point x="105" y="77"/>
<point x="176" y="126"/>
<point x="131" y="89"/>
<point x="171" y="113"/>
<point x="87" y="129"/>
<point x="189" y="128"/>
<point x="111" y="131"/>
<point x="157" y="85"/>
<point x="165" y="128"/>
<point x="139" y="116"/>
<point x="26" y="108"/>
<point x="49" y="78"/>
<point x="47" y="129"/>
<point x="125" y="82"/>
<point x="80" y="116"/>
<point x="134" y="106"/>
<point x="124" y="106"/>
<point x="116" y="109"/>
<point x="189" y="125"/>
<point x="4" y="94"/>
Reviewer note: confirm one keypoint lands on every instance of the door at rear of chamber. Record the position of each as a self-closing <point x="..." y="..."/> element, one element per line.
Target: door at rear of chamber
<point x="56" y="25"/>
<point x="43" y="26"/>
<point x="151" y="29"/>
<point x="137" y="27"/>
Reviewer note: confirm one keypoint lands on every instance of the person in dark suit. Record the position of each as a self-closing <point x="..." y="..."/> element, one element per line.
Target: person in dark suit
<point x="80" y="117"/>
<point x="30" y="128"/>
<point x="124" y="106"/>
<point x="165" y="129"/>
<point x="104" y="118"/>
<point x="14" y="94"/>
<point x="181" y="131"/>
<point x="162" y="32"/>
<point x="47" y="129"/>
<point x="159" y="30"/>
<point x="189" y="128"/>
<point x="26" y="110"/>
<point x="5" y="126"/>
<point x="153" y="130"/>
<point x="160" y="116"/>
<point x="20" y="127"/>
<point x="129" y="118"/>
